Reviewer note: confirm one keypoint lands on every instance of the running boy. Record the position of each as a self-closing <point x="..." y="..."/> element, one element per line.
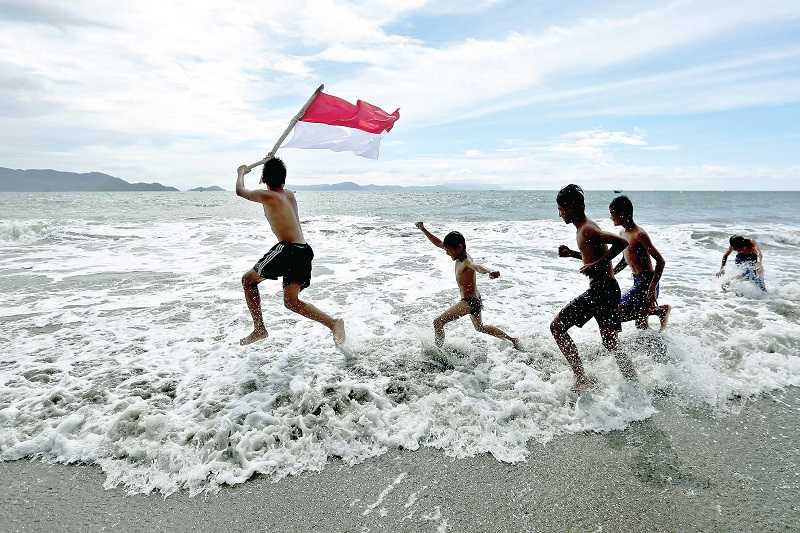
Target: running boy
<point x="290" y="258"/>
<point x="471" y="303"/>
<point x="748" y="259"/>
<point x="639" y="301"/>
<point x="601" y="301"/>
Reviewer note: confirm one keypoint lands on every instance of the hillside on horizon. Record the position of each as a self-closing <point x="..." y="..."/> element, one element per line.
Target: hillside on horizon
<point x="47" y="180"/>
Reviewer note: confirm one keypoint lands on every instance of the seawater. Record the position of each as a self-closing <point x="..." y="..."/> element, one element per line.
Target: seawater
<point x="120" y="315"/>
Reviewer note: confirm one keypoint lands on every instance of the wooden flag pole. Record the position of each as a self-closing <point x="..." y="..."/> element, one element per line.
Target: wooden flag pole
<point x="291" y="125"/>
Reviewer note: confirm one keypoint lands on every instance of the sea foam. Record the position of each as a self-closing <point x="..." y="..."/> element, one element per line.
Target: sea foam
<point x="120" y="347"/>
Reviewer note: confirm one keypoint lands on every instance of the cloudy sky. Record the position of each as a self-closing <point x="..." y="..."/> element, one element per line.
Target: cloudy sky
<point x="530" y="94"/>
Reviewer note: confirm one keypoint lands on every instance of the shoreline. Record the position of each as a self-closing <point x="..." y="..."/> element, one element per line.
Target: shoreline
<point x="681" y="469"/>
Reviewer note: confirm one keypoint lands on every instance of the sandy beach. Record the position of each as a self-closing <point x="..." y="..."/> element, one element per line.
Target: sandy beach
<point x="681" y="470"/>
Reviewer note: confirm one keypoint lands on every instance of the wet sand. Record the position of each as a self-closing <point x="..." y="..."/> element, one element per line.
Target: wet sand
<point x="681" y="470"/>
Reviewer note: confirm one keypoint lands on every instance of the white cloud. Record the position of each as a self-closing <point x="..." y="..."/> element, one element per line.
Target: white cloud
<point x="592" y="143"/>
<point x="586" y="157"/>
<point x="185" y="91"/>
<point x="441" y="84"/>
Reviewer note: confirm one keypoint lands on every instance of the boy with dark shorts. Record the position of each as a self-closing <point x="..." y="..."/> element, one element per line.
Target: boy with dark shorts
<point x="471" y="303"/>
<point x="601" y="301"/>
<point x="640" y="301"/>
<point x="291" y="258"/>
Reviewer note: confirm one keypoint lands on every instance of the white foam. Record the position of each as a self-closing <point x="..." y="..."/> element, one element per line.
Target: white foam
<point x="124" y="351"/>
<point x="23" y="231"/>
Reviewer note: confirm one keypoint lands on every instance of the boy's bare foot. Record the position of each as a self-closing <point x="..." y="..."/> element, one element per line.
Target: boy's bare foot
<point x="338" y="332"/>
<point x="664" y="317"/>
<point x="584" y="384"/>
<point x="517" y="344"/>
<point x="257" y="335"/>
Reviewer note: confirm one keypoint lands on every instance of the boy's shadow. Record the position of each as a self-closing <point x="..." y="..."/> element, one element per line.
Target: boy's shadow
<point x="654" y="460"/>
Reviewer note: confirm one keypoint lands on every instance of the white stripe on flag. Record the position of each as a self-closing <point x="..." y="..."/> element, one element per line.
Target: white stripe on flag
<point x="336" y="138"/>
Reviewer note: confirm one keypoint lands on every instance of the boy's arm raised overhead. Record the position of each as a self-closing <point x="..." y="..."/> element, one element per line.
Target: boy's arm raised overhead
<point x="258" y="195"/>
<point x="724" y="260"/>
<point x="480" y="269"/>
<point x="564" y="251"/>
<point x="436" y="241"/>
<point x="617" y="245"/>
<point x="644" y="238"/>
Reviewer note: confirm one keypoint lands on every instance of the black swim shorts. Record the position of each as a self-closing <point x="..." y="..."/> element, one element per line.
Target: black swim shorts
<point x="289" y="260"/>
<point x="475" y="305"/>
<point x="600" y="301"/>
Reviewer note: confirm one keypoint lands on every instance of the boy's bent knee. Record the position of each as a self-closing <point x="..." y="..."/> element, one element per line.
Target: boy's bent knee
<point x="291" y="302"/>
<point x="250" y="278"/>
<point x="557" y="327"/>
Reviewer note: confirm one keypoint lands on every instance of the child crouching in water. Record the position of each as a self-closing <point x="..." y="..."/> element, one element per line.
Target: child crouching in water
<point x="748" y="259"/>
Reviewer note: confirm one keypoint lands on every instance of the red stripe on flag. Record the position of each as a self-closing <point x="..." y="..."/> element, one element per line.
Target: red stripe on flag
<point x="327" y="109"/>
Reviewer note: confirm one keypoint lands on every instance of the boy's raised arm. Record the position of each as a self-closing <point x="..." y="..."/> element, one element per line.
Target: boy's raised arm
<point x="436" y="241"/>
<point x="258" y="196"/>
<point x="480" y="269"/>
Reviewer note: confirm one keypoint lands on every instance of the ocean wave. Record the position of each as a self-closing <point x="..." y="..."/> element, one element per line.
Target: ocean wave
<point x="144" y="375"/>
<point x="25" y="231"/>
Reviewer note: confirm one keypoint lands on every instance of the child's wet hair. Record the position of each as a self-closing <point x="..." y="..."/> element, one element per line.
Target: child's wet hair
<point x="737" y="242"/>
<point x="453" y="239"/>
<point x="622" y="205"/>
<point x="570" y="196"/>
<point x="273" y="173"/>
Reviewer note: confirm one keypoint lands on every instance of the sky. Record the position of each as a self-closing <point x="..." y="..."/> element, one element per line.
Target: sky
<point x="644" y="95"/>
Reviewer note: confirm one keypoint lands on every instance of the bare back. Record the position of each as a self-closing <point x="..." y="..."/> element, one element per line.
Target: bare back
<point x="280" y="208"/>
<point x="591" y="247"/>
<point x="636" y="255"/>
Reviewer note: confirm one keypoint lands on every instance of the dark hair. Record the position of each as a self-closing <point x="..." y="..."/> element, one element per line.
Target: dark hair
<point x="453" y="239"/>
<point x="273" y="173"/>
<point x="737" y="241"/>
<point x="622" y="205"/>
<point x="570" y="196"/>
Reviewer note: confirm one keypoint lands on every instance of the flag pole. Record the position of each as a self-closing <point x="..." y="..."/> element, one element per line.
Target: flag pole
<point x="291" y="125"/>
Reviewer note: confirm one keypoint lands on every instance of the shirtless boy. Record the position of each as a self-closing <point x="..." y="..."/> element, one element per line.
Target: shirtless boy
<point x="602" y="299"/>
<point x="639" y="301"/>
<point x="290" y="258"/>
<point x="748" y="259"/>
<point x="471" y="303"/>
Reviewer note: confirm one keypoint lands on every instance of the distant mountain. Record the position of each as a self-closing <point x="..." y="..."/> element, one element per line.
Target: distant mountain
<point x="44" y="180"/>
<point x="213" y="188"/>
<point x="350" y="186"/>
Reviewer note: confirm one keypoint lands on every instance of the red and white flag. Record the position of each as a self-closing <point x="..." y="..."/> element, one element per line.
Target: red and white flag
<point x="335" y="124"/>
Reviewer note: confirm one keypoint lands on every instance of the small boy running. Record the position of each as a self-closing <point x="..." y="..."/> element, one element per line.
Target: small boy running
<point x="290" y="258"/>
<point x="601" y="301"/>
<point x="471" y="303"/>
<point x="748" y="259"/>
<point x="639" y="301"/>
